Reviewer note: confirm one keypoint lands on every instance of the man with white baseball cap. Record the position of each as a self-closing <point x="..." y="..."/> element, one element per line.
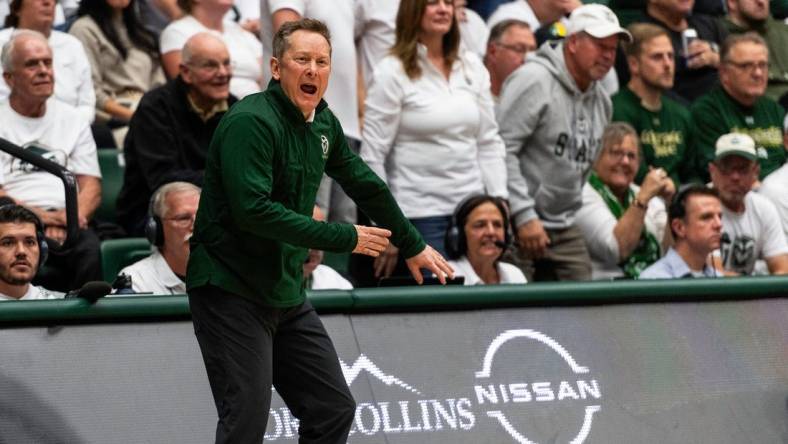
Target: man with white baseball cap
<point x="551" y="116"/>
<point x="751" y="227"/>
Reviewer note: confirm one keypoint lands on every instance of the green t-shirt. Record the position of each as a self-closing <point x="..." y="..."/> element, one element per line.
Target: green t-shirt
<point x="663" y="134"/>
<point x="716" y="113"/>
<point x="254" y="223"/>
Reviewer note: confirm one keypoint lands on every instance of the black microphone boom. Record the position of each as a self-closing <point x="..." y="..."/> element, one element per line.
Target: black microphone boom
<point x="69" y="183"/>
<point x="91" y="291"/>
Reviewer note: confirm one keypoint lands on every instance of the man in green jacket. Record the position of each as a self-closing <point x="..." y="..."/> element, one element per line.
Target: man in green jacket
<point x="738" y="105"/>
<point x="753" y="15"/>
<point x="251" y="237"/>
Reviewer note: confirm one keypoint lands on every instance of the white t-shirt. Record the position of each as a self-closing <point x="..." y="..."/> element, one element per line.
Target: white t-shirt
<point x="375" y="26"/>
<point x="754" y="234"/>
<point x="326" y="278"/>
<point x="775" y="187"/>
<point x="597" y="223"/>
<point x="508" y="273"/>
<point x="33" y="293"/>
<point x="433" y="141"/>
<point x="518" y="9"/>
<point x="474" y="33"/>
<point x="73" y="81"/>
<point x="243" y="46"/>
<point x="341" y="94"/>
<point x="61" y="136"/>
<point x="153" y="275"/>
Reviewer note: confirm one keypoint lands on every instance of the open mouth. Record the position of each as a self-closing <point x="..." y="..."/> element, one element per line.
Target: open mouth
<point x="309" y="89"/>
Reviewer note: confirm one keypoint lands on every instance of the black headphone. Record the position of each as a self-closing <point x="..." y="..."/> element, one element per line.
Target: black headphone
<point x="154" y="231"/>
<point x="455" y="243"/>
<point x="43" y="247"/>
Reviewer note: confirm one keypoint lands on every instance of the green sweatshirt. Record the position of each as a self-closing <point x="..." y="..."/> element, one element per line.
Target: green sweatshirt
<point x="716" y="113"/>
<point x="663" y="134"/>
<point x="776" y="35"/>
<point x="254" y="223"/>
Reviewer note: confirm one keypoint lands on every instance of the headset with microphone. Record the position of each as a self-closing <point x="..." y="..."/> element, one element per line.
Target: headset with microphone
<point x="154" y="230"/>
<point x="455" y="241"/>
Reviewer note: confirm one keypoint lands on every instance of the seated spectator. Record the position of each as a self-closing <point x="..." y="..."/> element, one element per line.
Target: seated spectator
<point x="476" y="239"/>
<point x="751" y="227"/>
<point x="170" y="132"/>
<point x="662" y="123"/>
<point x="317" y="275"/>
<point x="124" y="58"/>
<point x="510" y="40"/>
<point x="246" y="51"/>
<point x="473" y="31"/>
<point x="552" y="139"/>
<point x="739" y="105"/>
<point x="73" y="85"/>
<point x="696" y="65"/>
<point x="536" y="13"/>
<point x="753" y="15"/>
<point x="169" y="228"/>
<point x="695" y="219"/>
<point x="22" y="251"/>
<point x="57" y="132"/>
<point x="623" y="224"/>
<point x="775" y="188"/>
<point x="429" y="128"/>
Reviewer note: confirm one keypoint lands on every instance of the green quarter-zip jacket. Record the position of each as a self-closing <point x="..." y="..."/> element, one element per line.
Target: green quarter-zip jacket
<point x="254" y="224"/>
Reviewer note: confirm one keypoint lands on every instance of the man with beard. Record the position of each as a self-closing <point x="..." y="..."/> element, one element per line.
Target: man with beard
<point x="662" y="124"/>
<point x="750" y="223"/>
<point x="753" y="15"/>
<point x="21" y="240"/>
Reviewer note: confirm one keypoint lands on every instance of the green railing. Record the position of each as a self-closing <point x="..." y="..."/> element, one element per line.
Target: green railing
<point x="142" y="308"/>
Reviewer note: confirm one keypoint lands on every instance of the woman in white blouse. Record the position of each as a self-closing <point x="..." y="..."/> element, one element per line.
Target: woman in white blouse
<point x="477" y="237"/>
<point x="429" y="125"/>
<point x="209" y="16"/>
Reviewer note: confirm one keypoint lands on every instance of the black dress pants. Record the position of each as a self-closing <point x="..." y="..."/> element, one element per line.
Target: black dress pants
<point x="247" y="347"/>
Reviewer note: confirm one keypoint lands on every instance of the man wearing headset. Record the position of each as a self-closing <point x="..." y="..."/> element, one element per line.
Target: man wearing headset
<point x="21" y="240"/>
<point x="695" y="219"/>
<point x="169" y="228"/>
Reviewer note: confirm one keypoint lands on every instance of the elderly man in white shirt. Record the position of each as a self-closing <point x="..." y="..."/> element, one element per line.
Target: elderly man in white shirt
<point x="169" y="227"/>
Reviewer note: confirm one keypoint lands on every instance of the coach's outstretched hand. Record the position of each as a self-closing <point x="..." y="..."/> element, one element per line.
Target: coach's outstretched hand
<point x="431" y="260"/>
<point x="371" y="240"/>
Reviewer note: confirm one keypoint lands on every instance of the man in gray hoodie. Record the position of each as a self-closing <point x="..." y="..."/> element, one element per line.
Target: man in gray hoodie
<point x="551" y="116"/>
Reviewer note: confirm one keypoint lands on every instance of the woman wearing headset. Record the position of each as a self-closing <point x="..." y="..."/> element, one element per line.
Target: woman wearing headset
<point x="477" y="237"/>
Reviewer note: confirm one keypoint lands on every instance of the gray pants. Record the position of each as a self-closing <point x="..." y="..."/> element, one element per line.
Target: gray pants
<point x="336" y="205"/>
<point x="565" y="259"/>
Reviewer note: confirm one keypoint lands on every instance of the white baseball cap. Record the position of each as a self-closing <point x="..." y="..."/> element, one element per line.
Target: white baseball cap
<point x="597" y="21"/>
<point x="735" y="144"/>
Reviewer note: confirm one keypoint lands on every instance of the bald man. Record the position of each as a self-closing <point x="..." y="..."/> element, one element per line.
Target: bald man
<point x="170" y="132"/>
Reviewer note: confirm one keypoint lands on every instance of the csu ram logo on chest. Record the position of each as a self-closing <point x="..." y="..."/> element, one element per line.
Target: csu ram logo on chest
<point x="324" y="145"/>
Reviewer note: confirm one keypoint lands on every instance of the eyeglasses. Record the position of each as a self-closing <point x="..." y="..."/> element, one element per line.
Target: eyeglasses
<point x="181" y="220"/>
<point x="519" y="49"/>
<point x="741" y="169"/>
<point x="749" y="66"/>
<point x="619" y="155"/>
<point x="212" y="66"/>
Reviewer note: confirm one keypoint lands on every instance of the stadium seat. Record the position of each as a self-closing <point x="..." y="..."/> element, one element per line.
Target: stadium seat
<point x="118" y="253"/>
<point x="111" y="165"/>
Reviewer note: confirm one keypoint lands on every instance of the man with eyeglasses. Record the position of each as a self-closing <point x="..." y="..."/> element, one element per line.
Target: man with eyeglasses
<point x="507" y="46"/>
<point x="170" y="226"/>
<point x="751" y="227"/>
<point x="739" y="105"/>
<point x="170" y="132"/>
<point x="662" y="123"/>
<point x="753" y="15"/>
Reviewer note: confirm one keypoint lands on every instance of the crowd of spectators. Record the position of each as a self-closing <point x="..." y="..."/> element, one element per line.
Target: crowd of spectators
<point x="529" y="140"/>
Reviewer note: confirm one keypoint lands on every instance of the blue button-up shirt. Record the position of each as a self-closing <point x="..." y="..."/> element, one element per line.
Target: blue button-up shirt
<point x="672" y="266"/>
